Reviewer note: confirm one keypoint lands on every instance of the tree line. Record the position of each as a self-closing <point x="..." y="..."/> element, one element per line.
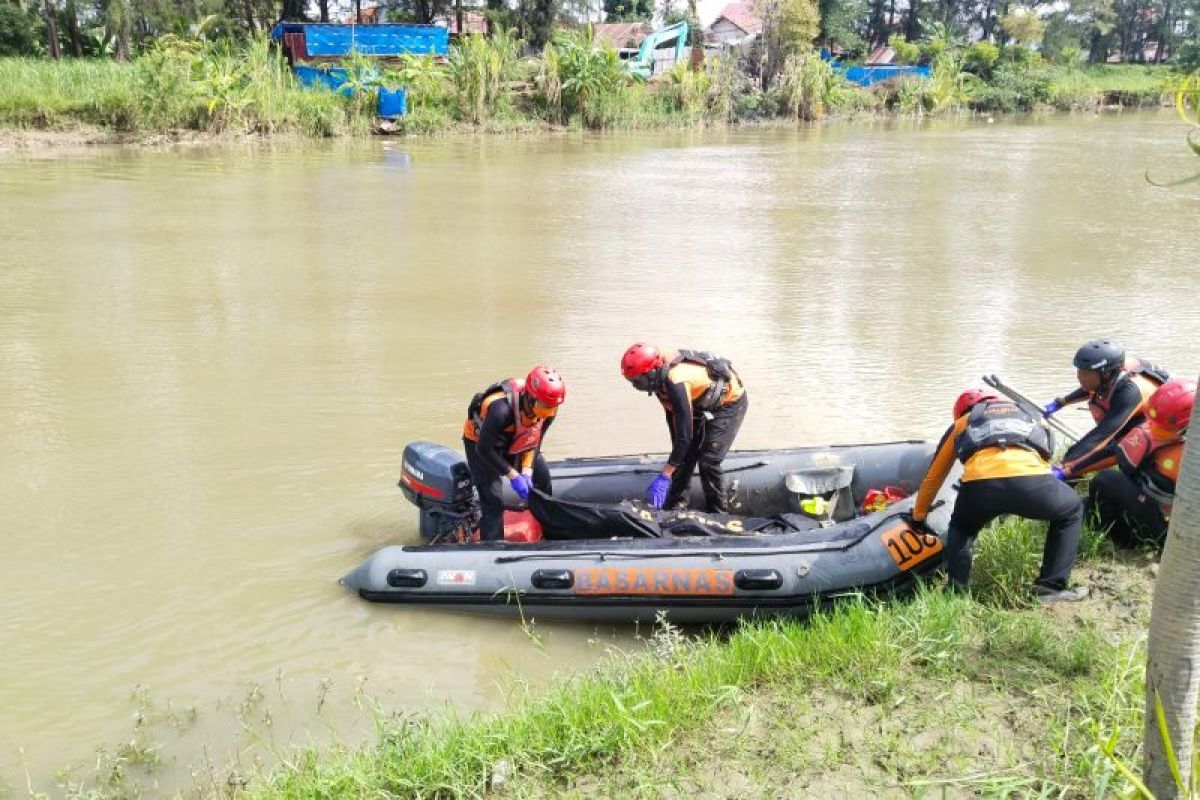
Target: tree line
<point x="1074" y="30"/>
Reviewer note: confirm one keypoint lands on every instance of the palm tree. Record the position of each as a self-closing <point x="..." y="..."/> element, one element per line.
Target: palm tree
<point x="1173" y="663"/>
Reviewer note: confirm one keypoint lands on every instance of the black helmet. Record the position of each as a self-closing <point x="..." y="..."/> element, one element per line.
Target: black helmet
<point x="1100" y="355"/>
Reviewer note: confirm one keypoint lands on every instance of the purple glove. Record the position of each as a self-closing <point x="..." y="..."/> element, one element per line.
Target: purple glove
<point x="656" y="495"/>
<point x="1058" y="473"/>
<point x="1051" y="407"/>
<point x="521" y="485"/>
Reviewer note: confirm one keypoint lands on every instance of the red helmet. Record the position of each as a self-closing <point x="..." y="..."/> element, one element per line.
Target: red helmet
<point x="967" y="400"/>
<point x="640" y="359"/>
<point x="1171" y="405"/>
<point x="545" y="385"/>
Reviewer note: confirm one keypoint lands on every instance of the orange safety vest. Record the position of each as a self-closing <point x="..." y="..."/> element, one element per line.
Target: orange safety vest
<point x="718" y="385"/>
<point x="1147" y="377"/>
<point x="526" y="436"/>
<point x="1154" y="463"/>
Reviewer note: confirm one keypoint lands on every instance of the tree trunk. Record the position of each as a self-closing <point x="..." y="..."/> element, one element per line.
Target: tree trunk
<point x="294" y="10"/>
<point x="73" y="30"/>
<point x="323" y="6"/>
<point x="912" y="26"/>
<point x="1173" y="660"/>
<point x="1165" y="26"/>
<point x="250" y="21"/>
<point x="53" y="49"/>
<point x="876" y="29"/>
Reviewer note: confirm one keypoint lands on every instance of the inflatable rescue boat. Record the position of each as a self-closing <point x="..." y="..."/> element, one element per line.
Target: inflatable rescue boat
<point x="809" y="524"/>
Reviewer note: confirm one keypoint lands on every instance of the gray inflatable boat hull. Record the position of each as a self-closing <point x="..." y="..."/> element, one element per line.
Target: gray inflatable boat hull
<point x="689" y="579"/>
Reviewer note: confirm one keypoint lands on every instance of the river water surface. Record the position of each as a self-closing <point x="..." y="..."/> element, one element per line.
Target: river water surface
<point x="211" y="359"/>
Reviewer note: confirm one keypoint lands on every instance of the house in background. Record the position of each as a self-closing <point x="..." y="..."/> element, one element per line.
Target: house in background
<point x="621" y="36"/>
<point x="737" y="23"/>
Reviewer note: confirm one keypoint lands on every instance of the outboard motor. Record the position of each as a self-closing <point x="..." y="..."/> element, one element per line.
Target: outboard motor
<point x="436" y="480"/>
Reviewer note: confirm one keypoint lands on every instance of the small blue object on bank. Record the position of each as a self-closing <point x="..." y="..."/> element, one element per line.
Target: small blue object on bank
<point x="392" y="103"/>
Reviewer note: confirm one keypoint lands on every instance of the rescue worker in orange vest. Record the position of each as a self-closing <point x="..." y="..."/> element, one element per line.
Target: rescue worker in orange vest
<point x="705" y="403"/>
<point x="502" y="437"/>
<point x="1116" y="389"/>
<point x="1133" y="502"/>
<point x="1006" y="470"/>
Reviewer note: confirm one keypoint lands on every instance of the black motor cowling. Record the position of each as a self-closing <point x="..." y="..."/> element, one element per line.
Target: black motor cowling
<point x="436" y="480"/>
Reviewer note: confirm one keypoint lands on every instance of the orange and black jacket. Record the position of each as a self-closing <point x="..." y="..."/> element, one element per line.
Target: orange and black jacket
<point x="1117" y="410"/>
<point x="496" y="437"/>
<point x="984" y="464"/>
<point x="1148" y="460"/>
<point x="684" y="385"/>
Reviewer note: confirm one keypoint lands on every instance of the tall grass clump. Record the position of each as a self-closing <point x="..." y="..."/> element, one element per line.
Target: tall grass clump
<point x="425" y="81"/>
<point x="690" y="89"/>
<point x="805" y="84"/>
<point x="581" y="80"/>
<point x="185" y="84"/>
<point x="36" y="93"/>
<point x="478" y="67"/>
<point x="168" y="80"/>
<point x="950" y="85"/>
<point x="1007" y="556"/>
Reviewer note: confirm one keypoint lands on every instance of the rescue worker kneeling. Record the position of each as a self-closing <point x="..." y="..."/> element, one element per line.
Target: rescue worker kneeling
<point x="502" y="437"/>
<point x="1117" y="389"/>
<point x="1133" y="502"/>
<point x="1006" y="470"/>
<point x="705" y="404"/>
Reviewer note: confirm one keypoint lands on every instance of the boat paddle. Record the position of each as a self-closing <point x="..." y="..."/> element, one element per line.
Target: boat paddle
<point x="1030" y="406"/>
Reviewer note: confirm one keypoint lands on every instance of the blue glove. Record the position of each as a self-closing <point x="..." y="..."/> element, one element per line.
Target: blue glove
<point x="1051" y="407"/>
<point x="656" y="495"/>
<point x="522" y="486"/>
<point x="1058" y="473"/>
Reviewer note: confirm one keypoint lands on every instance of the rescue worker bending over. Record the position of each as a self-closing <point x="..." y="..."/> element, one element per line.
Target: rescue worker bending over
<point x="502" y="437"/>
<point x="705" y="404"/>
<point x="1116" y="390"/>
<point x="1133" y="502"/>
<point x="1006" y="470"/>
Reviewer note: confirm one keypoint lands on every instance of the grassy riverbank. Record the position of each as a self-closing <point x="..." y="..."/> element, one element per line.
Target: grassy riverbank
<point x="182" y="89"/>
<point x="910" y="698"/>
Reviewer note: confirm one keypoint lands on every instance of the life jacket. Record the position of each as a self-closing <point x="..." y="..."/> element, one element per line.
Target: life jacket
<point x="526" y="436"/>
<point x="1146" y="376"/>
<point x="1152" y="463"/>
<point x="1001" y="423"/>
<point x="720" y="375"/>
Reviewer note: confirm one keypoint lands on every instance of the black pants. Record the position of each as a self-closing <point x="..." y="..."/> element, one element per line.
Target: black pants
<point x="1040" y="497"/>
<point x="1131" y="518"/>
<point x="490" y="486"/>
<point x="711" y="440"/>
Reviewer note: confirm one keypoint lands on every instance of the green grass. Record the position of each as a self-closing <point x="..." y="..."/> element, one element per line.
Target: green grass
<point x="179" y="86"/>
<point x="925" y="668"/>
<point x="1091" y="86"/>
<point x="36" y="93"/>
<point x="217" y="88"/>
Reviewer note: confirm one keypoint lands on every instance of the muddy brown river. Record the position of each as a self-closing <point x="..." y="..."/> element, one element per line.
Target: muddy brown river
<point x="210" y="360"/>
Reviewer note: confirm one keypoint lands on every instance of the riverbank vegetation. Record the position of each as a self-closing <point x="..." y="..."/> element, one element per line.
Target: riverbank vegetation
<point x="215" y="74"/>
<point x="986" y="694"/>
<point x="221" y="88"/>
<point x="930" y="695"/>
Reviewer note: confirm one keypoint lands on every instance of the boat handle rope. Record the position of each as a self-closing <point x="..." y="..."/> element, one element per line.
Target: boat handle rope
<point x="604" y="555"/>
<point x="648" y="470"/>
